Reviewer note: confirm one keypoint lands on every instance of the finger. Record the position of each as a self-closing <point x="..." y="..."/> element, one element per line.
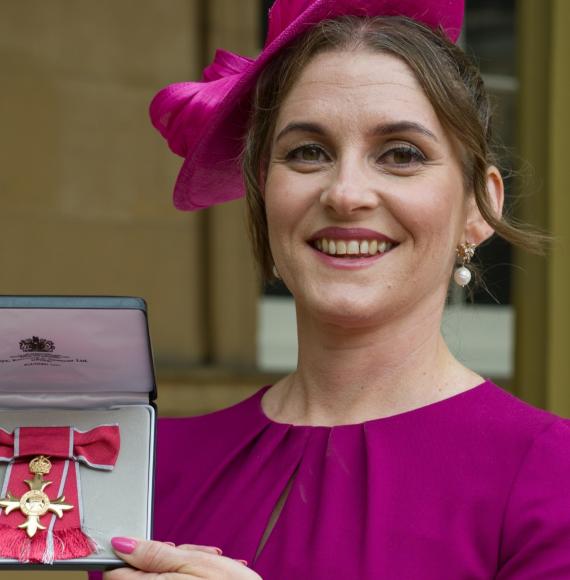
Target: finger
<point x="132" y="574"/>
<point x="159" y="557"/>
<point x="127" y="574"/>
<point x="211" y="549"/>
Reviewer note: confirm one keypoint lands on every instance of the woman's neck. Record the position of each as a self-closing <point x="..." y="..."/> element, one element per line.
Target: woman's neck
<point x="350" y="376"/>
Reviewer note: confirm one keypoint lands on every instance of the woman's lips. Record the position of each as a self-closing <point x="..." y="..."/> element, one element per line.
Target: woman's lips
<point x="348" y="261"/>
<point x="337" y="233"/>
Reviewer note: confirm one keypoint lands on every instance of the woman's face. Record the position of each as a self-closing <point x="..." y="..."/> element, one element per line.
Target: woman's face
<point x="364" y="192"/>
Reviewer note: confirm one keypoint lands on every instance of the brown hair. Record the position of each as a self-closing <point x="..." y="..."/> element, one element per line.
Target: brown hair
<point x="449" y="78"/>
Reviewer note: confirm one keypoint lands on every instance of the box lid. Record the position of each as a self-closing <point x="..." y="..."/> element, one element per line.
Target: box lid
<point x="75" y="344"/>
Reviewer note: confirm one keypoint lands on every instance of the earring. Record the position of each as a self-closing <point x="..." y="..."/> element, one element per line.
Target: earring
<point x="462" y="275"/>
<point x="276" y="272"/>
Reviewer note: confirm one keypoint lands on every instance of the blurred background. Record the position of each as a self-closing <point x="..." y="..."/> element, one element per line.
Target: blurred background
<point x="86" y="186"/>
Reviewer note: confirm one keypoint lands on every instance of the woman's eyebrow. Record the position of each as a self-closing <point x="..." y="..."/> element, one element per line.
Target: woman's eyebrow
<point x="382" y="129"/>
<point x="403" y="127"/>
<point x="301" y="126"/>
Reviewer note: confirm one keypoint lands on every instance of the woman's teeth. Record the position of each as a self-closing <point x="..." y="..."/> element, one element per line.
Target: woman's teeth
<point x="352" y="247"/>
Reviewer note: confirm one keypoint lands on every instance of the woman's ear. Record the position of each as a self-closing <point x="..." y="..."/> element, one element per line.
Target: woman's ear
<point x="477" y="230"/>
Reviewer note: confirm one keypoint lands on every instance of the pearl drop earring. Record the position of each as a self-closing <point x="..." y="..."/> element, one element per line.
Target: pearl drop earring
<point x="462" y="275"/>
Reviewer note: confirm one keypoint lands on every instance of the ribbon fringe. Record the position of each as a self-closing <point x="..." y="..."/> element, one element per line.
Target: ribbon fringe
<point x="65" y="544"/>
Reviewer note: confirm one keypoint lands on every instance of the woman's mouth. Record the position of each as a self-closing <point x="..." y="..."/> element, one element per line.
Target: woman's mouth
<point x="351" y="248"/>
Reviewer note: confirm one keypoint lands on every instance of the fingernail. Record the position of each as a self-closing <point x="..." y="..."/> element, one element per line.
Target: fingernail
<point x="244" y="562"/>
<point x="219" y="550"/>
<point x="124" y="545"/>
<point x="170" y="544"/>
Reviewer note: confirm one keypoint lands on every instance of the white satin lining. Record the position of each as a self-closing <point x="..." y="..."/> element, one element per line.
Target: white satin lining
<point x="70" y="400"/>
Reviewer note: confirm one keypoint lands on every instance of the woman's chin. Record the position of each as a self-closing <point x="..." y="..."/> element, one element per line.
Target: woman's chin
<point x="349" y="310"/>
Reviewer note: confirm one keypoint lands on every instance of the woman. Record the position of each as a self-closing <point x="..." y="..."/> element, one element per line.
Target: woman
<point x="369" y="180"/>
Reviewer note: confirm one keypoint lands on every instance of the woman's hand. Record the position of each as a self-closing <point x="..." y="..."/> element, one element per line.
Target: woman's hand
<point x="163" y="561"/>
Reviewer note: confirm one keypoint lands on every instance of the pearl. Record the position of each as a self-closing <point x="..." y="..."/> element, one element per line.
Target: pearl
<point x="462" y="276"/>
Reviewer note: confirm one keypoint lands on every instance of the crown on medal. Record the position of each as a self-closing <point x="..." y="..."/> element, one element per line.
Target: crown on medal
<point x="40" y="465"/>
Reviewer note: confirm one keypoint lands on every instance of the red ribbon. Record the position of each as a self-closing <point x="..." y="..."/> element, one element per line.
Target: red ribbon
<point x="65" y="447"/>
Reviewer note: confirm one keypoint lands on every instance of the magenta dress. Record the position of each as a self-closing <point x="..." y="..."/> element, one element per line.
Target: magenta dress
<point x="473" y="487"/>
<point x="476" y="486"/>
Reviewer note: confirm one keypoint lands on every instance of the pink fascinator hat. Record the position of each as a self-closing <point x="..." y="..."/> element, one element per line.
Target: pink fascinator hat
<point x="205" y="122"/>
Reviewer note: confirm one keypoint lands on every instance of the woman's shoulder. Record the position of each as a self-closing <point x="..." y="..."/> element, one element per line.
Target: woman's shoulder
<point x="519" y="455"/>
<point x="536" y="521"/>
<point x="215" y="428"/>
<point x="220" y="416"/>
<point x="503" y="414"/>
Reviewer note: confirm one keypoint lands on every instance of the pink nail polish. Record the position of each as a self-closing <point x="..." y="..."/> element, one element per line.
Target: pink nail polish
<point x="124" y="545"/>
<point x="244" y="562"/>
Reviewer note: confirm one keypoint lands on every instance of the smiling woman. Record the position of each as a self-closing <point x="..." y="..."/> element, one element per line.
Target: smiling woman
<point x="446" y="77"/>
<point x="368" y="175"/>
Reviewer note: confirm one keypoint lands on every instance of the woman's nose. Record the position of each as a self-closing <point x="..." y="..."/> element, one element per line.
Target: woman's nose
<point x="350" y="189"/>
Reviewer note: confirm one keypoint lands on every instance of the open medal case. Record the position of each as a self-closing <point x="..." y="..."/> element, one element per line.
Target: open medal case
<point x="82" y="364"/>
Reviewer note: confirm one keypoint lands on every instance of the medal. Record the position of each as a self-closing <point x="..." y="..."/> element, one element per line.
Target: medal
<point x="35" y="503"/>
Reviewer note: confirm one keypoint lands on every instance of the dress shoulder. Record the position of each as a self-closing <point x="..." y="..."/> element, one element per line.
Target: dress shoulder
<point x="233" y="416"/>
<point x="510" y="418"/>
<point x="535" y="539"/>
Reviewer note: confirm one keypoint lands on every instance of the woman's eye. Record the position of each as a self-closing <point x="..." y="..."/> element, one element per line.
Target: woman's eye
<point x="308" y="154"/>
<point x="403" y="155"/>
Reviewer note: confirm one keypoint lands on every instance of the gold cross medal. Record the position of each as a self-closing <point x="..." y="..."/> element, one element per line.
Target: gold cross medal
<point x="35" y="503"/>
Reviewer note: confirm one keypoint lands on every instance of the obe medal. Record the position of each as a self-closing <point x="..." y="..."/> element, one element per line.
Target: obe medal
<point x="35" y="503"/>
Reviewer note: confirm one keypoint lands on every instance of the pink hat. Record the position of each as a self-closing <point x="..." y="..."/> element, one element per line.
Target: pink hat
<point x="205" y="122"/>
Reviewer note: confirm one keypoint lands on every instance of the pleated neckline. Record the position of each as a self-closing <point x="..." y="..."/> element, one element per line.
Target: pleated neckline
<point x="436" y="406"/>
